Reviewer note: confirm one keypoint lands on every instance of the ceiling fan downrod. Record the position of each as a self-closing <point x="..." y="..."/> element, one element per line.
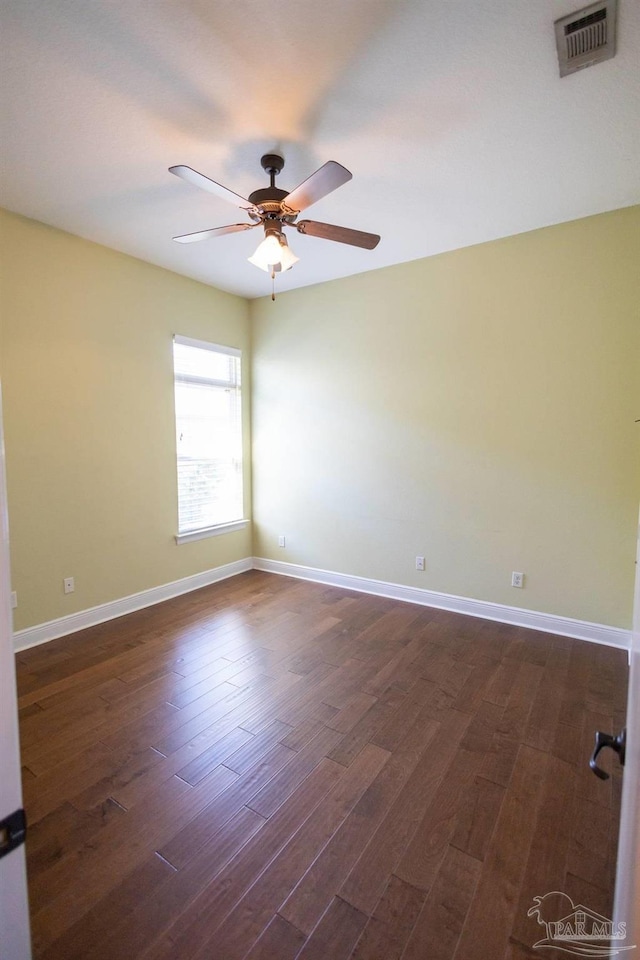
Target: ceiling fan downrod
<point x="273" y="164"/>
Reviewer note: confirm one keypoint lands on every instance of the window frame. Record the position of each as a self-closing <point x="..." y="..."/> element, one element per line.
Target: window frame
<point x="217" y="529"/>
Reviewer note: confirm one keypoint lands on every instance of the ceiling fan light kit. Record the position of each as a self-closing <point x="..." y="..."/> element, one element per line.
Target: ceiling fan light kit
<point x="275" y="209"/>
<point x="273" y="252"/>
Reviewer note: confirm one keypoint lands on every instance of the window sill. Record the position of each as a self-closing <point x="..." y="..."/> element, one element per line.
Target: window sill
<point x="206" y="532"/>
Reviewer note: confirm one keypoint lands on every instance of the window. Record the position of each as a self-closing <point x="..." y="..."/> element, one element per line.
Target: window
<point x="208" y="437"/>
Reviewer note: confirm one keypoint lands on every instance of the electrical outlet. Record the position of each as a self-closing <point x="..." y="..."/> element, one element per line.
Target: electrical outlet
<point x="517" y="579"/>
<point x="69" y="584"/>
<point x="14" y="599"/>
<point x="281" y="541"/>
<point x="419" y="563"/>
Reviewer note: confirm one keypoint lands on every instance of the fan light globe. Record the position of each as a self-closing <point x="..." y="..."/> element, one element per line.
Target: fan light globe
<point x="287" y="256"/>
<point x="268" y="254"/>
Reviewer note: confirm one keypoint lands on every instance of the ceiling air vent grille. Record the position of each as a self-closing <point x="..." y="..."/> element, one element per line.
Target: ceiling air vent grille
<point x="586" y="37"/>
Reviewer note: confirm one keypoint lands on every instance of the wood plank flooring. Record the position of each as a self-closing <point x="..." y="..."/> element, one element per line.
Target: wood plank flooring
<point x="271" y="769"/>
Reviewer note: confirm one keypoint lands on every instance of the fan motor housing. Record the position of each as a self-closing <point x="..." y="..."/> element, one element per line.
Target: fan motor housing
<point x="268" y="195"/>
<point x="269" y="201"/>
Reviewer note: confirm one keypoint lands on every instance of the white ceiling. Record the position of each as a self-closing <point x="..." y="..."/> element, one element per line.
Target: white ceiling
<point x="451" y="116"/>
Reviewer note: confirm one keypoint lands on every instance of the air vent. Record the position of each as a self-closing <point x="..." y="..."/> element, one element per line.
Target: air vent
<point x="586" y="37"/>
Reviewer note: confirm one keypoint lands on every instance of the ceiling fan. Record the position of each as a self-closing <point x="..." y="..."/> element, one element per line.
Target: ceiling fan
<point x="274" y="209"/>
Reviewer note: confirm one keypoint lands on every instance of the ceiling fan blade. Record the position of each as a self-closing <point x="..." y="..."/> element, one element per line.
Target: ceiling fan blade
<point x="329" y="231"/>
<point x="215" y="232"/>
<point x="199" y="180"/>
<point x="328" y="177"/>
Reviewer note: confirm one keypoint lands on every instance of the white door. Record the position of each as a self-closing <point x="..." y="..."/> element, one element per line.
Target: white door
<point x="627" y="900"/>
<point x="15" y="940"/>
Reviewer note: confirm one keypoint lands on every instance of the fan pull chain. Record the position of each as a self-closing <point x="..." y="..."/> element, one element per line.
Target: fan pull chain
<point x="273" y="284"/>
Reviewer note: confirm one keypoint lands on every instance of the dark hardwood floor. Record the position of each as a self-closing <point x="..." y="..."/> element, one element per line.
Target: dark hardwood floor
<point x="275" y="769"/>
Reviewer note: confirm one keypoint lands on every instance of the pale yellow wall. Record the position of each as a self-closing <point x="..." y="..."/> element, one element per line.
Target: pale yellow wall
<point x="476" y="407"/>
<point x="86" y="370"/>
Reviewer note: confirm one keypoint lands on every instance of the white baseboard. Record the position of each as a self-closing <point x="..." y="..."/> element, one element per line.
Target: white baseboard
<point x="545" y="622"/>
<point x="42" y="632"/>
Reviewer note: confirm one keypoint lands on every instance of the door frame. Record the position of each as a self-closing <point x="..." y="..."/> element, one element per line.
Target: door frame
<point x="15" y="935"/>
<point x="627" y="894"/>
